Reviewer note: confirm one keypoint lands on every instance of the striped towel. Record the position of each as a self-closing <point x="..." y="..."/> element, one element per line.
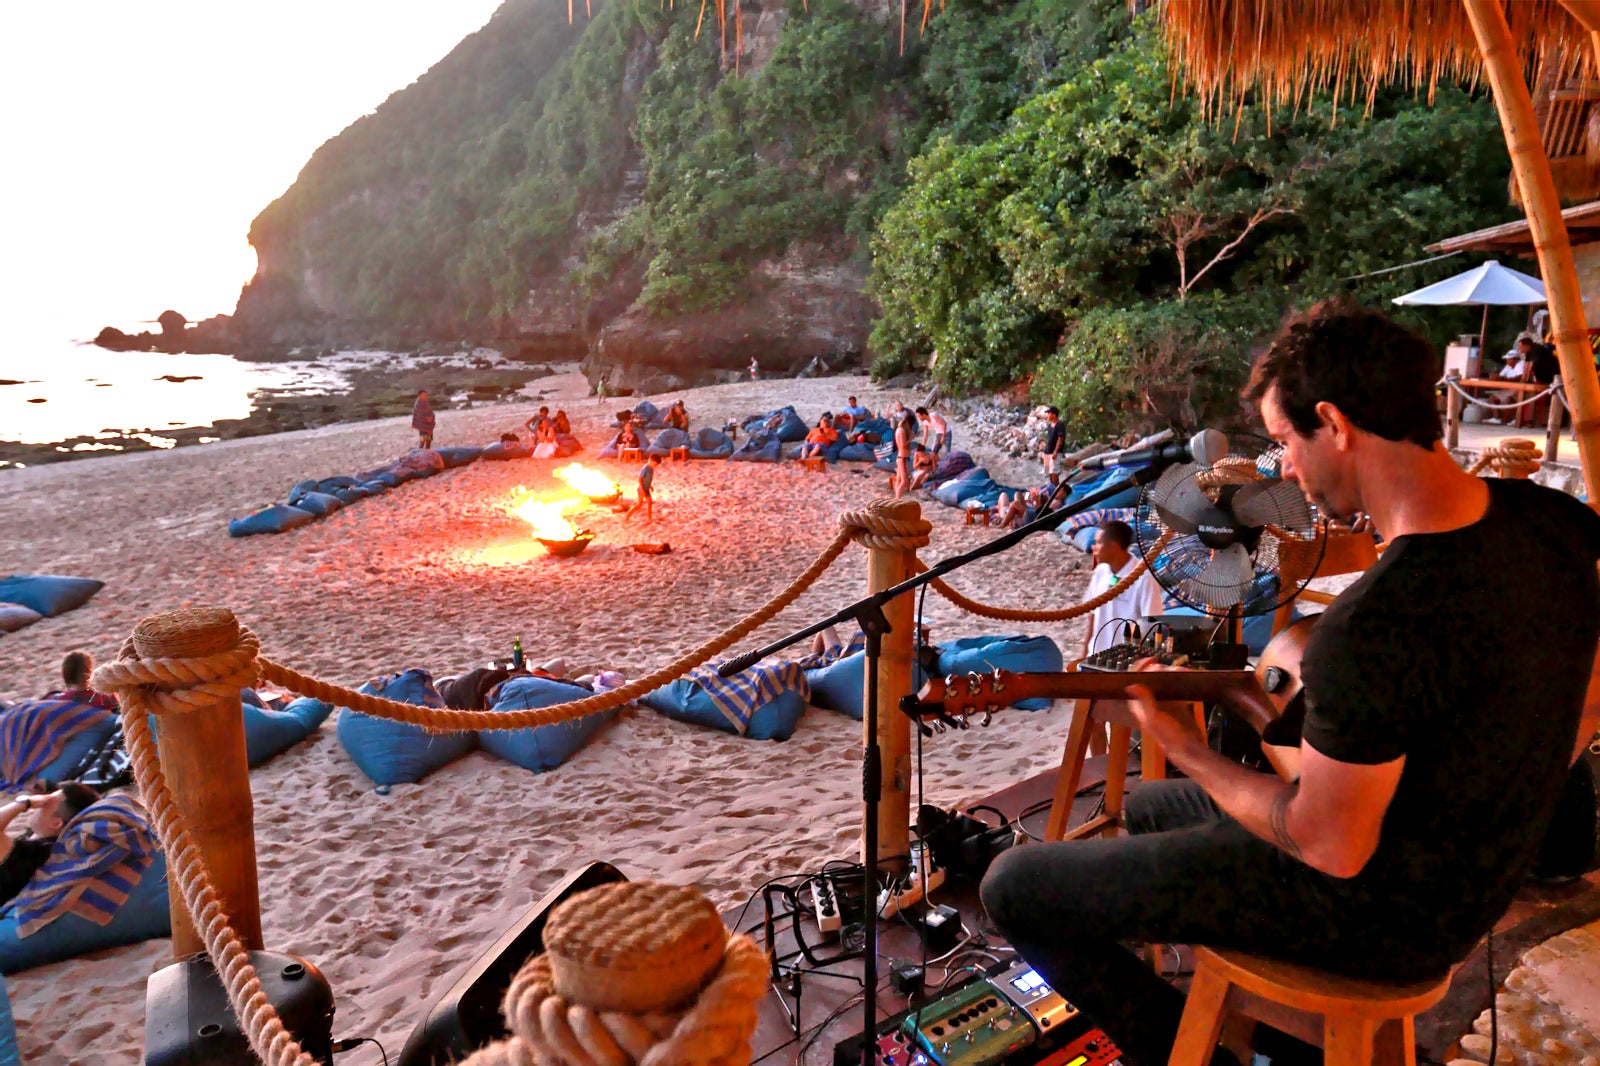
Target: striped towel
<point x="740" y="696"/>
<point x="97" y="861"/>
<point x="884" y="450"/>
<point x="1096" y="518"/>
<point x="34" y="733"/>
<point x="857" y="643"/>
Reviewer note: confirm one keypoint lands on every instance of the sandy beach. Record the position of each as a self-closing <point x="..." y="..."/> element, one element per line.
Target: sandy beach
<point x="394" y="896"/>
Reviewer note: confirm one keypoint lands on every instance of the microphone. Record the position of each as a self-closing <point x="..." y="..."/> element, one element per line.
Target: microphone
<point x="1205" y="448"/>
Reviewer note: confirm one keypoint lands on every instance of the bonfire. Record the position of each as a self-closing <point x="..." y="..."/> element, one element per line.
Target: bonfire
<point x="550" y="527"/>
<point x="592" y="483"/>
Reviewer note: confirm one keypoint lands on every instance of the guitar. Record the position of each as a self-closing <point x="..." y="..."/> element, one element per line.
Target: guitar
<point x="1260" y="696"/>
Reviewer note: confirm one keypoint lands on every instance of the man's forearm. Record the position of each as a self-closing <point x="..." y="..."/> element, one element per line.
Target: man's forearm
<point x="1259" y="802"/>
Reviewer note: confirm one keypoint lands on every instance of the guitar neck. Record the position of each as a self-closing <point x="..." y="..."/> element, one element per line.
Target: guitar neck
<point x="1238" y="688"/>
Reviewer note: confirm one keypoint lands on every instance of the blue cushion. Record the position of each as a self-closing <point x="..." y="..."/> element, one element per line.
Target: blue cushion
<point x="974" y="483"/>
<point x="268" y="732"/>
<point x="542" y="747"/>
<point x="48" y="594"/>
<point x="686" y="701"/>
<point x="790" y="429"/>
<point x="878" y="426"/>
<point x="319" y="503"/>
<point x="9" y="1053"/>
<point x="1019" y="654"/>
<point x="501" y="450"/>
<point x="759" y="449"/>
<point x="279" y="518"/>
<point x="858" y="453"/>
<point x="454" y="457"/>
<point x="841" y="685"/>
<point x="667" y="440"/>
<point x="376" y="488"/>
<point x="351" y="495"/>
<point x="710" y="444"/>
<point x="393" y="753"/>
<point x="384" y="478"/>
<point x="143" y="916"/>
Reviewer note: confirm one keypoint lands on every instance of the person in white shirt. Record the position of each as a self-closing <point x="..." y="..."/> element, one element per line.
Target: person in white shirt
<point x="1140" y="597"/>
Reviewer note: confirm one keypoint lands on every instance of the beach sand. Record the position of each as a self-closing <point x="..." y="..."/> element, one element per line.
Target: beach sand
<point x="395" y="896"/>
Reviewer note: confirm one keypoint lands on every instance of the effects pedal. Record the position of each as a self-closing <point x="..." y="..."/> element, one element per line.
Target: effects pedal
<point x="1093" y="1048"/>
<point x="825" y="904"/>
<point x="1022" y="985"/>
<point x="896" y="1049"/>
<point x="973" y="1026"/>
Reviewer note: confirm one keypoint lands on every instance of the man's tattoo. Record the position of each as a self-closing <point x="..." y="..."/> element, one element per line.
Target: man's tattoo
<point x="1279" y="818"/>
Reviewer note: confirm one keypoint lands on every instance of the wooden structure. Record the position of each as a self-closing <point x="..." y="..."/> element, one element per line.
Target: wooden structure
<point x="630" y="455"/>
<point x="1341" y="553"/>
<point x="1228" y="47"/>
<point x="886" y="568"/>
<point x="679" y="454"/>
<point x="814" y="463"/>
<point x="1356" y="1023"/>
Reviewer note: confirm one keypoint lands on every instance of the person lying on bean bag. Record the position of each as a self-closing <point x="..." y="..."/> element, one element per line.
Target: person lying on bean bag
<point x="21" y="856"/>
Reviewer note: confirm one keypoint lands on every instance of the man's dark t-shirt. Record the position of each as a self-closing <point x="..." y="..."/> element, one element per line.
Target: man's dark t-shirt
<point x="27" y="855"/>
<point x="1545" y="364"/>
<point x="1450" y="652"/>
<point x="1056" y="440"/>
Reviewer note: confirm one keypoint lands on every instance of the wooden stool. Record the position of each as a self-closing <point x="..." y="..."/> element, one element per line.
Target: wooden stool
<point x="974" y="514"/>
<point x="1088" y="716"/>
<point x="815" y="463"/>
<point x="681" y="454"/>
<point x="1361" y="1022"/>
<point x="629" y="455"/>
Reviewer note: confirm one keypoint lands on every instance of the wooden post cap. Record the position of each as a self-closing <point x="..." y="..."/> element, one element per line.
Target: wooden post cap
<point x="186" y="634"/>
<point x="635" y="946"/>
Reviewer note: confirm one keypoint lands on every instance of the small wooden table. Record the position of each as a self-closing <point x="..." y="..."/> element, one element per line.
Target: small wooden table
<point x="630" y="455"/>
<point x="814" y="463"/>
<point x="977" y="515"/>
<point x="681" y="454"/>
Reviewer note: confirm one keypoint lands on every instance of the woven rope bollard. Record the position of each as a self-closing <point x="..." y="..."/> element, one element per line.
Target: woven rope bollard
<point x="200" y="737"/>
<point x="634" y="974"/>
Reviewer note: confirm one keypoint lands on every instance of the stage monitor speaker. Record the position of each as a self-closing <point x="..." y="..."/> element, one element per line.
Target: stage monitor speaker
<point x="467" y="1017"/>
<point x="188" y="1021"/>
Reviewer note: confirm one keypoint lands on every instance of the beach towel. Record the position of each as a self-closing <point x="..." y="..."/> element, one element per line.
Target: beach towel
<point x="422" y="417"/>
<point x="95" y="865"/>
<point x="48" y="594"/>
<point x="275" y="519"/>
<point x="144" y="916"/>
<point x="1093" y="520"/>
<point x="46" y="738"/>
<point x="740" y="696"/>
<point x="763" y="703"/>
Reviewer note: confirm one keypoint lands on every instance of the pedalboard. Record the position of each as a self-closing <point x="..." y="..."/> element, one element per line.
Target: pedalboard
<point x="973" y="1026"/>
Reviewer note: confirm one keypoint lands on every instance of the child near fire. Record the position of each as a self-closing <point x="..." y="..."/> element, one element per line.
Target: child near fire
<point x="647" y="477"/>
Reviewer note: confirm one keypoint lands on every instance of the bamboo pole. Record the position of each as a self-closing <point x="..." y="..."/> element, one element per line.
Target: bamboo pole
<point x="1531" y="166"/>
<point x="203" y="757"/>
<point x="887" y="567"/>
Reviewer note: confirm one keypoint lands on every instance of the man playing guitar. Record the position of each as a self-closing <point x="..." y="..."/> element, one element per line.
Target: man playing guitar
<point x="1426" y="770"/>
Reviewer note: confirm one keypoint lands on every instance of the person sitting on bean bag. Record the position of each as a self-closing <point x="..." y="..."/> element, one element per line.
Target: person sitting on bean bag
<point x="21" y="856"/>
<point x="818" y="440"/>
<point x="75" y="671"/>
<point x="628" y="438"/>
<point x="678" y="416"/>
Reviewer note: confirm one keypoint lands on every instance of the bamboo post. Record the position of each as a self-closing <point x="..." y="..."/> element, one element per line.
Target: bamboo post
<point x="887" y="567"/>
<point x="203" y="757"/>
<point x="1452" y="413"/>
<point x="1531" y="166"/>
<point x="1552" y="433"/>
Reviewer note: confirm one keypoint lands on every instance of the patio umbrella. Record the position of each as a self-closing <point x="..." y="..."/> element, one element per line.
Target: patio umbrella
<point x="1489" y="284"/>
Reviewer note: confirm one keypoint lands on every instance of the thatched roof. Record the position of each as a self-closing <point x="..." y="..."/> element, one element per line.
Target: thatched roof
<point x="1286" y="49"/>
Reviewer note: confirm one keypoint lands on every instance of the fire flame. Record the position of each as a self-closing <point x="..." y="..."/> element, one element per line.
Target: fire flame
<point x="592" y="483"/>
<point x="545" y="516"/>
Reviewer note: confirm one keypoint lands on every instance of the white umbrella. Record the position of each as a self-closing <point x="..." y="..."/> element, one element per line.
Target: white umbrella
<point x="1487" y="284"/>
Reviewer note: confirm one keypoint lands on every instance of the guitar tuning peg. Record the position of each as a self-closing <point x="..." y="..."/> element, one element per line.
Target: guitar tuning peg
<point x="975" y="684"/>
<point x="999" y="682"/>
<point x="988" y="716"/>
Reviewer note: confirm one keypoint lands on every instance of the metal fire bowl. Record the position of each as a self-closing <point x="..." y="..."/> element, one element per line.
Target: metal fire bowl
<point x="606" y="501"/>
<point x="567" y="548"/>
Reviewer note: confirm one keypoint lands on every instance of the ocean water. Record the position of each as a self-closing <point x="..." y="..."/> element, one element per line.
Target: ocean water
<point x="64" y="389"/>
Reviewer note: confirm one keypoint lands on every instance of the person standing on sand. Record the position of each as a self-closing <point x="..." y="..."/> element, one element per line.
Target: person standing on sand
<point x="422" y="419"/>
<point x="755" y="369"/>
<point x="904" y="430"/>
<point x="646" y="499"/>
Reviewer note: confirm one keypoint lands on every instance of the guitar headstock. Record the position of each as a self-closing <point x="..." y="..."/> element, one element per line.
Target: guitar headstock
<point x="953" y="699"/>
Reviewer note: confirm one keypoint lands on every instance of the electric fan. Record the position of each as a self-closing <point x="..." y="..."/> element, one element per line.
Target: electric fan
<point x="1234" y="522"/>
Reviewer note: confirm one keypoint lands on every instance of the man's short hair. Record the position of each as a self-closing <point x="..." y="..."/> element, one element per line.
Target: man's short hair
<point x="1119" y="533"/>
<point x="76" y="668"/>
<point x="76" y="799"/>
<point x="922" y="410"/>
<point x="1052" y="411"/>
<point x="1376" y="371"/>
<point x="852" y="401"/>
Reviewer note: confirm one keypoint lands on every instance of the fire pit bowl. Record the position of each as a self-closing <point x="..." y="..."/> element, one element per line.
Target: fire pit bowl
<point x="566" y="549"/>
<point x="605" y="501"/>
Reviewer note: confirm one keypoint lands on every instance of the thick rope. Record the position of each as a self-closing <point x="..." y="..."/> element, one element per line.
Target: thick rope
<point x="1514" y="458"/>
<point x="1016" y="614"/>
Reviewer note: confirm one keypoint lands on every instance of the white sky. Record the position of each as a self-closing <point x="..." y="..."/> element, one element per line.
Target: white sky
<point x="138" y="140"/>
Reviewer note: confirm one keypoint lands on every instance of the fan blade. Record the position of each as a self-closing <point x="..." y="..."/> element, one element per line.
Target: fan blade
<point x="1230" y="569"/>
<point x="1274" y="501"/>
<point x="1182" y="507"/>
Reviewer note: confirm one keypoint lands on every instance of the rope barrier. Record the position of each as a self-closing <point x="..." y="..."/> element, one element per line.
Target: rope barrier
<point x="1515" y="458"/>
<point x="1471" y="399"/>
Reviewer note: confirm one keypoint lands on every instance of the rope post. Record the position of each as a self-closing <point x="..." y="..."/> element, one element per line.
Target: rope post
<point x="1452" y="413"/>
<point x="203" y="757"/>
<point x="1552" y="432"/>
<point x="887" y="567"/>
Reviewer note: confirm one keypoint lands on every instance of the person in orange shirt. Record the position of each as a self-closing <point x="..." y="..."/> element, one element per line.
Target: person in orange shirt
<point x="820" y="438"/>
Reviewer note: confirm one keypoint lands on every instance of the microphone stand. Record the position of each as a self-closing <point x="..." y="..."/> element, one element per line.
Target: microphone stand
<point x="868" y="614"/>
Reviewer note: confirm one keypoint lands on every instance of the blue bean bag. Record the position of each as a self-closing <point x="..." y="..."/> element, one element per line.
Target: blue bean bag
<point x="982" y="655"/>
<point x="762" y="448"/>
<point x="667" y="440"/>
<point x="1126" y="498"/>
<point x="329" y="486"/>
<point x="352" y="494"/>
<point x="687" y="700"/>
<point x="454" y="457"/>
<point x="418" y="463"/>
<point x="501" y="450"/>
<point x="841" y="686"/>
<point x="543" y="747"/>
<point x="319" y="503"/>
<point x="958" y="491"/>
<point x="649" y="415"/>
<point x="393" y="753"/>
<point x="567" y="444"/>
<point x="611" y="451"/>
<point x="9" y="1053"/>
<point x="47" y="594"/>
<point x="858" y="453"/>
<point x="710" y="444"/>
<point x="790" y="428"/>
<point x="268" y="732"/>
<point x="278" y="518"/>
<point x="142" y="916"/>
<point x="877" y="427"/>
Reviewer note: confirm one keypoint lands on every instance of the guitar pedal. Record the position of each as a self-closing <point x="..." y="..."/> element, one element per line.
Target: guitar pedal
<point x="1023" y="985"/>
